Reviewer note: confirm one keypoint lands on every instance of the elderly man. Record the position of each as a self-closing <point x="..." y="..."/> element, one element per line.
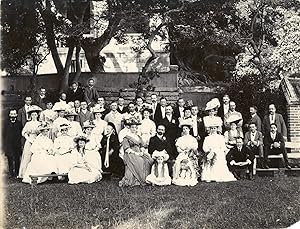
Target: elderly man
<point x="231" y="112"/>
<point x="115" y="117"/>
<point x="11" y="141"/>
<point x="274" y="144"/>
<point x="276" y="118"/>
<point x="90" y="93"/>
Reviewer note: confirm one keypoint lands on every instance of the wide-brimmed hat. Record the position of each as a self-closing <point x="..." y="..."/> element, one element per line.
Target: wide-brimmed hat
<point x="34" y="108"/>
<point x="44" y="126"/>
<point x="88" y="124"/>
<point x="63" y="126"/>
<point x="133" y="121"/>
<point x="186" y="122"/>
<point x="215" y="121"/>
<point x="234" y="118"/>
<point x="212" y="104"/>
<point x="97" y="109"/>
<point x="146" y="109"/>
<point x="81" y="137"/>
<point x="60" y="106"/>
<point x="162" y="154"/>
<point x="71" y="112"/>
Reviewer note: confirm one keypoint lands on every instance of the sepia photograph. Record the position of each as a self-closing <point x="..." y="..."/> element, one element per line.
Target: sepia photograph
<point x="148" y="114"/>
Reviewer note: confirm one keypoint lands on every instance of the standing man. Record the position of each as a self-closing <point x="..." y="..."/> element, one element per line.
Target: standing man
<point x="254" y="118"/>
<point x="91" y="94"/>
<point x="121" y="107"/>
<point x="224" y="108"/>
<point x="11" y="136"/>
<point x="23" y="116"/>
<point x="276" y="118"/>
<point x="154" y="105"/>
<point x="179" y="108"/>
<point x="75" y="93"/>
<point x="41" y="98"/>
<point x="139" y="104"/>
<point x="160" y="113"/>
<point x="231" y="112"/>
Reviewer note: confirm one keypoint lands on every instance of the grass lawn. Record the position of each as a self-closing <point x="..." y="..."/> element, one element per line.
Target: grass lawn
<point x="263" y="203"/>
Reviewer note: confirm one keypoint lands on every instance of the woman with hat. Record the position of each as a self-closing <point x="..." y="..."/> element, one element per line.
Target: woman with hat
<point x="63" y="146"/>
<point x="212" y="108"/>
<point x="99" y="123"/>
<point x="94" y="142"/>
<point x="110" y="146"/>
<point x="159" y="171"/>
<point x="29" y="132"/>
<point x="187" y="118"/>
<point x="48" y="115"/>
<point x="214" y="167"/>
<point x="61" y="110"/>
<point x="188" y="145"/>
<point x="137" y="161"/>
<point x="74" y="126"/>
<point x="147" y="129"/>
<point x="42" y="161"/>
<point x="87" y="166"/>
<point x="234" y="132"/>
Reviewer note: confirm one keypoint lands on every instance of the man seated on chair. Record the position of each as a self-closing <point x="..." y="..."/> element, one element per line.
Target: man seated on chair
<point x="254" y="140"/>
<point x="274" y="145"/>
<point x="240" y="159"/>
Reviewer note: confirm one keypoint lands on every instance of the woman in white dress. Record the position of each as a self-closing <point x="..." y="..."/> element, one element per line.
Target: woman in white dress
<point x="212" y="108"/>
<point x="214" y="164"/>
<point x="48" y="115"/>
<point x="74" y="126"/>
<point x="61" y="111"/>
<point x="93" y="144"/>
<point x="99" y="123"/>
<point x="63" y="146"/>
<point x="234" y="132"/>
<point x="29" y="132"/>
<point x="87" y="167"/>
<point x="187" y="147"/>
<point x="42" y="160"/>
<point x="147" y="129"/>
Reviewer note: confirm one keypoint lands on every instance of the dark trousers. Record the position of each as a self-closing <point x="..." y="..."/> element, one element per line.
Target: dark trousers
<point x="237" y="170"/>
<point x="13" y="165"/>
<point x="275" y="151"/>
<point x="257" y="150"/>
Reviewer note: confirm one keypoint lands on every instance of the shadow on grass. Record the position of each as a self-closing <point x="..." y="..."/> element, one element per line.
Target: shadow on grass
<point x="263" y="203"/>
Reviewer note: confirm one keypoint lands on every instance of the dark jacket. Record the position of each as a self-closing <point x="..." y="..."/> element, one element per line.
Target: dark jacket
<point x="91" y="96"/>
<point x="11" y="136"/>
<point x="281" y="127"/>
<point x="156" y="143"/>
<point x="239" y="156"/>
<point x="268" y="141"/>
<point x="77" y="95"/>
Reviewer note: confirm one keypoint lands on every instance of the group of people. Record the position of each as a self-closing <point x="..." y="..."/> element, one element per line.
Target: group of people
<point x="141" y="143"/>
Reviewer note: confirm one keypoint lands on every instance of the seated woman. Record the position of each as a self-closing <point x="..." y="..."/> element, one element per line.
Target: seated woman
<point x="42" y="161"/>
<point x="214" y="166"/>
<point x="137" y="161"/>
<point x="187" y="145"/>
<point x="110" y="145"/>
<point x="147" y="129"/>
<point x="63" y="146"/>
<point x="184" y="171"/>
<point x="159" y="171"/>
<point x="234" y="133"/>
<point x="87" y="166"/>
<point x="30" y="132"/>
<point x="93" y="144"/>
<point x="99" y="123"/>
<point x="74" y="126"/>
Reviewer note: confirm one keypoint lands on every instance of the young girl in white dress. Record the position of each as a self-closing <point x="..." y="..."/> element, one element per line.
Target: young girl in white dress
<point x="87" y="167"/>
<point x="159" y="171"/>
<point x="42" y="161"/>
<point x="214" y="166"/>
<point x="29" y="132"/>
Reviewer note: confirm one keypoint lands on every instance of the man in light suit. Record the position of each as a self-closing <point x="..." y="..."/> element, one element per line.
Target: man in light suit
<point x="254" y="140"/>
<point x="274" y="144"/>
<point x="254" y="118"/>
<point x="23" y="116"/>
<point x="276" y="118"/>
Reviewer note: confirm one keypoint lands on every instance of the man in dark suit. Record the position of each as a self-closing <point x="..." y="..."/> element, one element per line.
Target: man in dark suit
<point x="224" y="108"/>
<point x="254" y="118"/>
<point x="121" y="107"/>
<point x="179" y="108"/>
<point x="91" y="94"/>
<point x="23" y="116"/>
<point x="276" y="118"/>
<point x="274" y="144"/>
<point x="84" y="114"/>
<point x="161" y="142"/>
<point x="160" y="112"/>
<point x="239" y="159"/>
<point x="41" y="98"/>
<point x="254" y="140"/>
<point x="75" y="93"/>
<point x="154" y="105"/>
<point x="11" y="139"/>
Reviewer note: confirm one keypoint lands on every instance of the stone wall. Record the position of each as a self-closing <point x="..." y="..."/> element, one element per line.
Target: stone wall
<point x="293" y="112"/>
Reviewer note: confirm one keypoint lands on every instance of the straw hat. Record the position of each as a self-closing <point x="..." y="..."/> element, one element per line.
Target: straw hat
<point x="234" y="118"/>
<point x="97" y="110"/>
<point x="212" y="122"/>
<point x="186" y="122"/>
<point x="64" y="126"/>
<point x="44" y="126"/>
<point x="81" y="137"/>
<point x="59" y="107"/>
<point x="162" y="154"/>
<point x="71" y="112"/>
<point x="212" y="104"/>
<point x="133" y="121"/>
<point x="34" y="108"/>
<point x="88" y="124"/>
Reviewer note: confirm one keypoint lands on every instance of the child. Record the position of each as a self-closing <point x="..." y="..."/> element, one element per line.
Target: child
<point x="184" y="171"/>
<point x="159" y="171"/>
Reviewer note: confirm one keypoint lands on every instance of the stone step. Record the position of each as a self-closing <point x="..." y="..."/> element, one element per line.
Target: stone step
<point x="275" y="172"/>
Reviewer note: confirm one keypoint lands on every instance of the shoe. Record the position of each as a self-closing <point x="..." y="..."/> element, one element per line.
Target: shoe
<point x="288" y="167"/>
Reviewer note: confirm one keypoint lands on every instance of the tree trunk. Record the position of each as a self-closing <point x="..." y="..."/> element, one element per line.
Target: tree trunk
<point x="94" y="60"/>
<point x="78" y="67"/>
<point x="65" y="76"/>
